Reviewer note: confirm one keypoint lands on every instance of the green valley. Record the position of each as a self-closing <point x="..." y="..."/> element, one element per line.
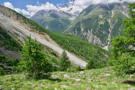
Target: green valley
<point x="92" y="51"/>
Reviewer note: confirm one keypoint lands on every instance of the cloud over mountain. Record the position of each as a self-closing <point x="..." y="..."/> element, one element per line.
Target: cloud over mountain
<point x="47" y="6"/>
<point x="22" y="11"/>
<point x="73" y="7"/>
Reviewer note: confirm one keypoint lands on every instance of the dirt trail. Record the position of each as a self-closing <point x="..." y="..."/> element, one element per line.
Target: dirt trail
<point x="19" y="31"/>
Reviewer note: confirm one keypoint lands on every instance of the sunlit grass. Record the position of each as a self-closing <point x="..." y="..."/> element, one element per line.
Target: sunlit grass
<point x="96" y="79"/>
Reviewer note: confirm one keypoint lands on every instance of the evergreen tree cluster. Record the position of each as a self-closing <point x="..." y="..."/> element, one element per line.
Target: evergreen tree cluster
<point x="123" y="47"/>
<point x="35" y="60"/>
<point x="38" y="63"/>
<point x="64" y="63"/>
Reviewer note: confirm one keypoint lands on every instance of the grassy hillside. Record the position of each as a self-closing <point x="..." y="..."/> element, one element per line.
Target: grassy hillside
<point x="8" y="42"/>
<point x="96" y="79"/>
<point x="9" y="52"/>
<point x="54" y="24"/>
<point x="75" y="45"/>
<point x="70" y="43"/>
<point x="81" y="48"/>
<point x="7" y="64"/>
<point x="56" y="21"/>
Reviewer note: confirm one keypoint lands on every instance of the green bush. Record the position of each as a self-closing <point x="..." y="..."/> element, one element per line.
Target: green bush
<point x="64" y="62"/>
<point x="2" y="58"/>
<point x="8" y="42"/>
<point x="125" y="64"/>
<point x="35" y="60"/>
<point x="8" y="63"/>
<point x="2" y="71"/>
<point x="123" y="47"/>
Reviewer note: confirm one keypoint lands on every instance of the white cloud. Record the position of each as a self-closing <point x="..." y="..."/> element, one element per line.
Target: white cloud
<point x="47" y="6"/>
<point x="77" y="6"/>
<point x="10" y="5"/>
<point x="31" y="9"/>
<point x="111" y="1"/>
<point x="74" y="7"/>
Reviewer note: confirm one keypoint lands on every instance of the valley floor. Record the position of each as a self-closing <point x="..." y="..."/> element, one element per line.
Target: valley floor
<point x="95" y="79"/>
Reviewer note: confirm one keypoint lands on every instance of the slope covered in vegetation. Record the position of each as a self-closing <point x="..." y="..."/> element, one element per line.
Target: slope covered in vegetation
<point x="9" y="52"/>
<point x="70" y="43"/>
<point x="98" y="24"/>
<point x="8" y="42"/>
<point x="81" y="48"/>
<point x="95" y="79"/>
<point x="56" y="21"/>
<point x="123" y="47"/>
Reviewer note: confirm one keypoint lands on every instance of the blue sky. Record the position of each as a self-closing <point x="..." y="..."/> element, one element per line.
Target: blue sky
<point x="30" y="7"/>
<point x="22" y="3"/>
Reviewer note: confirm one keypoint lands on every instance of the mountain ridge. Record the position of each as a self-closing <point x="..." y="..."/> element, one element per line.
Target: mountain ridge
<point x="54" y="20"/>
<point x="94" y="23"/>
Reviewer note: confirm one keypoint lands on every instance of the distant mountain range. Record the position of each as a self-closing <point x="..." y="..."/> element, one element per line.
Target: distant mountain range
<point x="96" y="24"/>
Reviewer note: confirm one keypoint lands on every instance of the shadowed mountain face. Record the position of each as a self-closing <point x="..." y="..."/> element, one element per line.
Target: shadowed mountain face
<point x="53" y="20"/>
<point x="98" y="24"/>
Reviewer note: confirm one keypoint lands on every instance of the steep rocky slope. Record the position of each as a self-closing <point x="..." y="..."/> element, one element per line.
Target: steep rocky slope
<point x="19" y="27"/>
<point x="99" y="23"/>
<point x="20" y="32"/>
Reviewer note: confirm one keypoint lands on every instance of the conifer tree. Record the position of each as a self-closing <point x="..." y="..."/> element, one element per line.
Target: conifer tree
<point x="64" y="63"/>
<point x="34" y="60"/>
<point x="124" y="46"/>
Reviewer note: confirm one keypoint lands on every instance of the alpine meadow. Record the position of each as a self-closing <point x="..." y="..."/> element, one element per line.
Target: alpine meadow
<point x="67" y="45"/>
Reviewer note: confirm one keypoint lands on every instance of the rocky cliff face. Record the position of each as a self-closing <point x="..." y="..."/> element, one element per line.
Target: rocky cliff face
<point x="98" y="24"/>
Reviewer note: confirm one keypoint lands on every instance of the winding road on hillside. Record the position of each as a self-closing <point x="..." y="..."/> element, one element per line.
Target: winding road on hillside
<point x="21" y="31"/>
